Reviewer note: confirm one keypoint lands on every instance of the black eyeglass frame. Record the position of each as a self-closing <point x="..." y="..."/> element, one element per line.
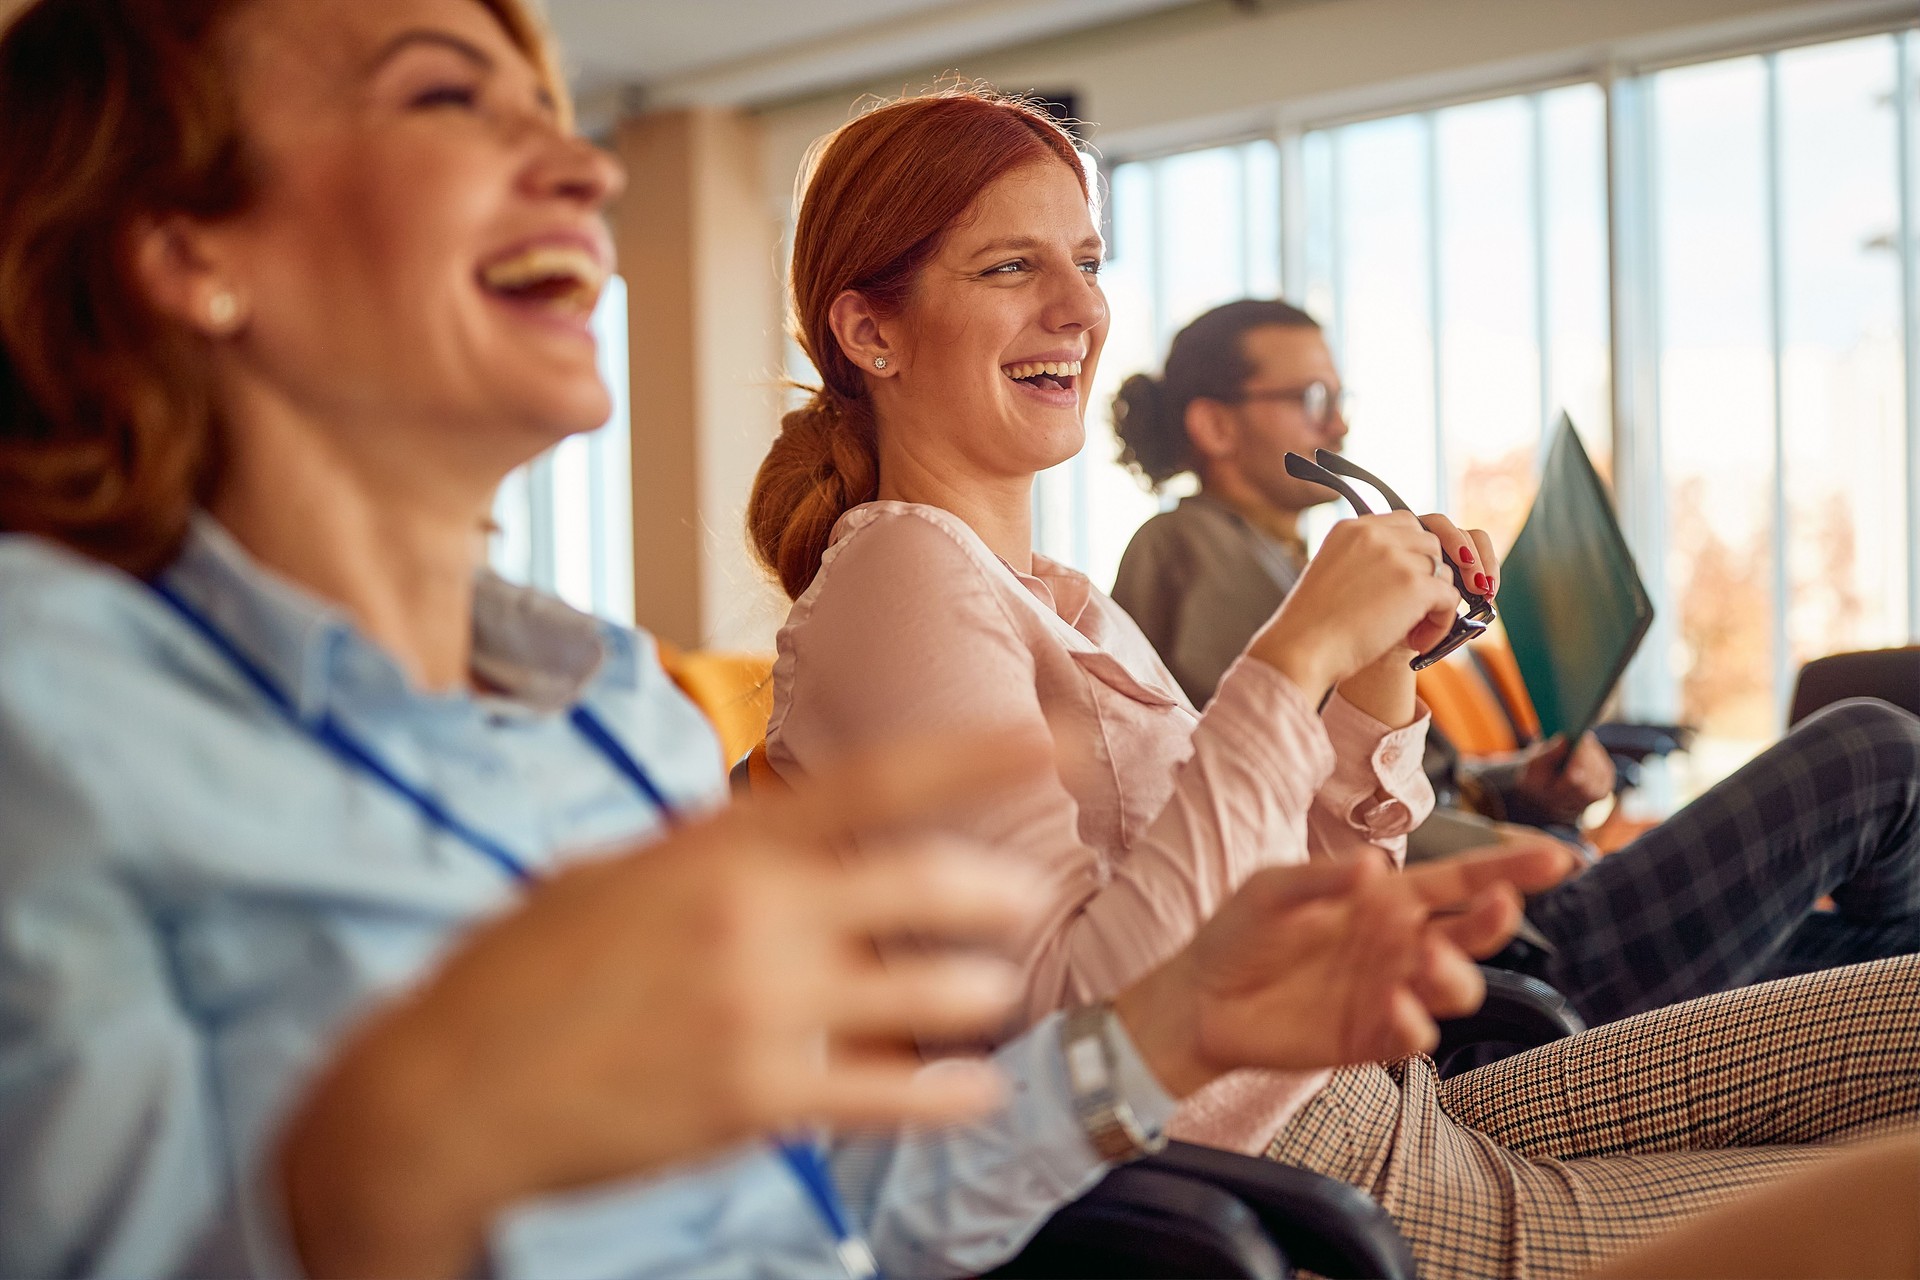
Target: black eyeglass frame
<point x="1332" y="403"/>
<point x="1326" y="468"/>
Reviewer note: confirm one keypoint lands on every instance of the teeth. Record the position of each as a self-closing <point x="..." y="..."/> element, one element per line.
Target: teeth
<point x="1034" y="368"/>
<point x="547" y="263"/>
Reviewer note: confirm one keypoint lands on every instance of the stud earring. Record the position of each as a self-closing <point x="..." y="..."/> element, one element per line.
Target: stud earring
<point x="879" y="362"/>
<point x="223" y="309"/>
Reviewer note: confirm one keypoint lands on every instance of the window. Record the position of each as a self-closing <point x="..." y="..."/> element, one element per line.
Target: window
<point x="1458" y="258"/>
<point x="1781" y="413"/>
<point x="564" y="522"/>
<point x="1747" y="229"/>
<point x="1186" y="233"/>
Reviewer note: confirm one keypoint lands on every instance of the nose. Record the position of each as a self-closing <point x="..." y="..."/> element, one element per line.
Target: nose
<point x="1076" y="305"/>
<point x="574" y="169"/>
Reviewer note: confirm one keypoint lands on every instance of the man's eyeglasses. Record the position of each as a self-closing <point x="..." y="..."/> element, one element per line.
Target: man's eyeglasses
<point x="1318" y="400"/>
<point x="1327" y="468"/>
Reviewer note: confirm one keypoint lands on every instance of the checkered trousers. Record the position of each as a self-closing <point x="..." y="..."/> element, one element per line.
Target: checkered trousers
<point x="1723" y="893"/>
<point x="1546" y="1163"/>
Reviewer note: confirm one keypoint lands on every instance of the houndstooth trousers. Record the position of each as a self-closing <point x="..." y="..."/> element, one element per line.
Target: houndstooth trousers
<point x="1547" y="1163"/>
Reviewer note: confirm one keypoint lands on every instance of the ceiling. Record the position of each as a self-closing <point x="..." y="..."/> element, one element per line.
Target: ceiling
<point x="751" y="52"/>
<point x="676" y="52"/>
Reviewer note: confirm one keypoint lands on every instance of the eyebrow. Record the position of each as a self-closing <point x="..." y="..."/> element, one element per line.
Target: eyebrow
<point x="425" y="36"/>
<point x="1025" y="244"/>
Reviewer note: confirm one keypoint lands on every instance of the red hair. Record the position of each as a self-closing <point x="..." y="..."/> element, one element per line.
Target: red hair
<point x="881" y="193"/>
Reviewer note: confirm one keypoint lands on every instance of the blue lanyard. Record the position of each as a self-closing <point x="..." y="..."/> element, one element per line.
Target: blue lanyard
<point x="804" y="1159"/>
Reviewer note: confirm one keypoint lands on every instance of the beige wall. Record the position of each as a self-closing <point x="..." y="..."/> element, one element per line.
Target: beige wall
<point x="698" y="242"/>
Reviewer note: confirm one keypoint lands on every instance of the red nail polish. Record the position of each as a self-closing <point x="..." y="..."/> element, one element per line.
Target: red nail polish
<point x="1466" y="556"/>
<point x="1482" y="581"/>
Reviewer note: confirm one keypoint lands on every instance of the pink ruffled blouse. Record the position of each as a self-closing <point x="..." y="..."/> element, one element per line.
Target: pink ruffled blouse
<point x="1155" y="814"/>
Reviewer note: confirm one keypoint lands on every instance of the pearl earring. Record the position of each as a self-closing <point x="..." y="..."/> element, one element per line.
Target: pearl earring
<point x="223" y="309"/>
<point x="879" y="362"/>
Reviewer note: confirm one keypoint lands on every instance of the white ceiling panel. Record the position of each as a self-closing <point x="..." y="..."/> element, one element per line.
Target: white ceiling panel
<point x="749" y="51"/>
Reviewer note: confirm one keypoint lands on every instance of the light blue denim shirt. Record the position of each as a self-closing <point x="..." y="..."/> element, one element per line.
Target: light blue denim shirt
<point x="195" y="898"/>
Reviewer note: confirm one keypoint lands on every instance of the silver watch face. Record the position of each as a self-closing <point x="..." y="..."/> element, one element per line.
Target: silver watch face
<point x="1106" y="1118"/>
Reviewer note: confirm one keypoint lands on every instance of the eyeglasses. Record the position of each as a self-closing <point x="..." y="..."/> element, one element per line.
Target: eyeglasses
<point x="1322" y="470"/>
<point x="1317" y="400"/>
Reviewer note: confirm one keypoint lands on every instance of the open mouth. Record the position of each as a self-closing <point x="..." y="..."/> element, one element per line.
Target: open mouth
<point x="564" y="280"/>
<point x="1044" y="375"/>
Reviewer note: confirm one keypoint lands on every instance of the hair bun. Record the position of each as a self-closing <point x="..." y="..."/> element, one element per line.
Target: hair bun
<point x="1153" y="447"/>
<point x="1140" y="402"/>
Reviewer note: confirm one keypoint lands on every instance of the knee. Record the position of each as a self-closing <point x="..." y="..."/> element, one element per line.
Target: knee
<point x="1868" y="728"/>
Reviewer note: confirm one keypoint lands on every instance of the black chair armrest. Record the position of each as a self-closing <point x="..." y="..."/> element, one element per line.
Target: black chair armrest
<point x="1520" y="1013"/>
<point x="1321" y="1224"/>
<point x="1638" y="742"/>
<point x="1143" y="1221"/>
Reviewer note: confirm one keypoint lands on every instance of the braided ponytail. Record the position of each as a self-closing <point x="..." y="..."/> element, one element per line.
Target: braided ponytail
<point x="822" y="465"/>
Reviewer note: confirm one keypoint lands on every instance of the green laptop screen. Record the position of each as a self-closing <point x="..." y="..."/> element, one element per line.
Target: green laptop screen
<point x="1571" y="599"/>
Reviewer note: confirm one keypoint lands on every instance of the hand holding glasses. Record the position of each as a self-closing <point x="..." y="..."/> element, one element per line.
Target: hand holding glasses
<point x="1327" y="468"/>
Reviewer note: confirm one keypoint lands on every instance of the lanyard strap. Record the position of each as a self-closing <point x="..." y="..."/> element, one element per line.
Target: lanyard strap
<point x="335" y="737"/>
<point x="805" y="1160"/>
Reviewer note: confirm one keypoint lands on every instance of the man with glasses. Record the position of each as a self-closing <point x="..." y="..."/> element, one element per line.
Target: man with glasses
<point x="1246" y="384"/>
<point x="1715" y="897"/>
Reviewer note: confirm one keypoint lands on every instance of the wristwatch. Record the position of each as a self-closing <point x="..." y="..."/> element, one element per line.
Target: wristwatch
<point x="1093" y="1069"/>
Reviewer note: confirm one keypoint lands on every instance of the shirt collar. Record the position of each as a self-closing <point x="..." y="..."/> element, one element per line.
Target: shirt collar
<point x="537" y="651"/>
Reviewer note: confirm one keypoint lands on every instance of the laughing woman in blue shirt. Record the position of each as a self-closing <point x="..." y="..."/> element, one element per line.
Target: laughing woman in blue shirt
<point x="299" y="965"/>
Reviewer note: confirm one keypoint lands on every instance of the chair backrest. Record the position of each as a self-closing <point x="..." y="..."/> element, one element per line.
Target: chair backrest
<point x="1465" y="707"/>
<point x="1494" y="657"/>
<point x="1892" y="675"/>
<point x="733" y="690"/>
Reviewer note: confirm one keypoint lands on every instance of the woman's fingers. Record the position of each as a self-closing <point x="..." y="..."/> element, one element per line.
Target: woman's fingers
<point x="908" y="782"/>
<point x="886" y="1090"/>
<point x="1277" y="890"/>
<point x="1449" y="984"/>
<point x="935" y="887"/>
<point x="951" y="997"/>
<point x="1487" y="923"/>
<point x="1489" y="561"/>
<point x="1529" y="867"/>
<point x="1470" y="550"/>
<point x="1409" y="1028"/>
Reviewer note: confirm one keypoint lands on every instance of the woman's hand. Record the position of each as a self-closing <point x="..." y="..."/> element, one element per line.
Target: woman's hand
<point x="1384" y="688"/>
<point x="1330" y="964"/>
<point x="717" y="986"/>
<point x="1372" y="588"/>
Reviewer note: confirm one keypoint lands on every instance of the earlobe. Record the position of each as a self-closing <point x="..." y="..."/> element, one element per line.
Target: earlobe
<point x="180" y="279"/>
<point x="862" y="338"/>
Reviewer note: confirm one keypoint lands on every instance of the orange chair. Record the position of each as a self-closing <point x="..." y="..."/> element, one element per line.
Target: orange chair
<point x="1480" y="703"/>
<point x="1466" y="708"/>
<point x="734" y="690"/>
